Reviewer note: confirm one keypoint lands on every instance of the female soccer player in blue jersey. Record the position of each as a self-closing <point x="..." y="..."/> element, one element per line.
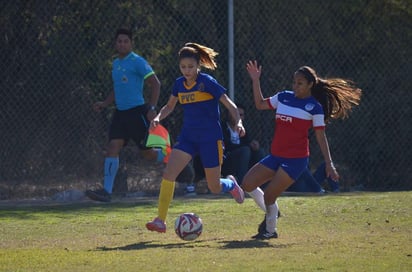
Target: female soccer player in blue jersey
<point x="132" y="117"/>
<point x="201" y="134"/>
<point x="312" y="102"/>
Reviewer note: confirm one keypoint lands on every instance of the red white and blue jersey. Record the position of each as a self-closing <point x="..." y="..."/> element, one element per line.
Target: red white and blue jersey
<point x="200" y="102"/>
<point x="294" y="117"/>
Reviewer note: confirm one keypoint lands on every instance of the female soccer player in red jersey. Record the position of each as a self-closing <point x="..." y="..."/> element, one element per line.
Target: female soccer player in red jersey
<point x="312" y="103"/>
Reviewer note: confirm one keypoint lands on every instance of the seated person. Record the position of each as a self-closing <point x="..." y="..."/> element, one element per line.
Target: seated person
<point x="320" y="177"/>
<point x="306" y="183"/>
<point x="312" y="183"/>
<point x="187" y="176"/>
<point x="240" y="153"/>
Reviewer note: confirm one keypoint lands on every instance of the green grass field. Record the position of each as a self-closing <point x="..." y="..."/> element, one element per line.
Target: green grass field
<point x="343" y="232"/>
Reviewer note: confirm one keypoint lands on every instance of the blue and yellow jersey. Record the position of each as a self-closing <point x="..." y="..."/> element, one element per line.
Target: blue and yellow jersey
<point x="200" y="102"/>
<point x="128" y="76"/>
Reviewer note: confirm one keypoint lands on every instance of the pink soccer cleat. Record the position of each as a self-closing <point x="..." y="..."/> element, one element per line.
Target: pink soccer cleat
<point x="156" y="225"/>
<point x="237" y="192"/>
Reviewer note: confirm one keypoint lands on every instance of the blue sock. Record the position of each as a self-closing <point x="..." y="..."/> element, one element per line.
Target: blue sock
<point x="160" y="155"/>
<point x="111" y="164"/>
<point x="227" y="185"/>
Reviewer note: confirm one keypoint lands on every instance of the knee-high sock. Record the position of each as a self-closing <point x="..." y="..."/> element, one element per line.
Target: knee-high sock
<point x="258" y="197"/>
<point x="272" y="217"/>
<point x="167" y="189"/>
<point x="111" y="165"/>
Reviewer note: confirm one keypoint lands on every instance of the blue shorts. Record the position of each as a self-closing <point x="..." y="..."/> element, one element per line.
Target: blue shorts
<point x="294" y="167"/>
<point x="210" y="153"/>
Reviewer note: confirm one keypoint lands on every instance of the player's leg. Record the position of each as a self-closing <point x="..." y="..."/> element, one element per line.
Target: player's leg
<point x="213" y="179"/>
<point x="268" y="228"/>
<point x="255" y="177"/>
<point x="178" y="160"/>
<point x="218" y="185"/>
<point x="117" y="139"/>
<point x="111" y="164"/>
<point x="212" y="155"/>
<point x="288" y="170"/>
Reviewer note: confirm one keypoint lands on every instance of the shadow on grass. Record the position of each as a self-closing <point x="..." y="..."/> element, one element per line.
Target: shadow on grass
<point x="150" y="244"/>
<point x="250" y="244"/>
<point x="195" y="244"/>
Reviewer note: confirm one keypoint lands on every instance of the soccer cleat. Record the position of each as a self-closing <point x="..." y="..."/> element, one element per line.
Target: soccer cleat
<point x="156" y="225"/>
<point x="190" y="191"/>
<point x="265" y="235"/>
<point x="262" y="225"/>
<point x="99" y="195"/>
<point x="237" y="192"/>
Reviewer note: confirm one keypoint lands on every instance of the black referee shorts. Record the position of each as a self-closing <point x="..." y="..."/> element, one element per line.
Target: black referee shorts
<point x="130" y="124"/>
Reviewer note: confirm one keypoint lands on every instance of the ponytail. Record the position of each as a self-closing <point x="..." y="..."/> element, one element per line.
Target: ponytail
<point x="336" y="95"/>
<point x="205" y="56"/>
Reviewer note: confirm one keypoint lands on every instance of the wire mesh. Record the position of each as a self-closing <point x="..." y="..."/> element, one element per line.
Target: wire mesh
<point x="56" y="57"/>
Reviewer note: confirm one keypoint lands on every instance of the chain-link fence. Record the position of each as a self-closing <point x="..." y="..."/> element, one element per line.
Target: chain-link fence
<point x="56" y="62"/>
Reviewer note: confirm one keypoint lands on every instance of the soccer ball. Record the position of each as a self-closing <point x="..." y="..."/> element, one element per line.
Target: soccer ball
<point x="188" y="226"/>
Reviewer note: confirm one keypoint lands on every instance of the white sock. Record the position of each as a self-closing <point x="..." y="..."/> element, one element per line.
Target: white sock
<point x="258" y="197"/>
<point x="272" y="217"/>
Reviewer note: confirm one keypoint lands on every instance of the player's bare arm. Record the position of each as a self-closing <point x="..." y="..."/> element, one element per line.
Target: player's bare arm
<point x="154" y="84"/>
<point x="255" y="71"/>
<point x="324" y="147"/>
<point x="164" y="111"/>
<point x="232" y="108"/>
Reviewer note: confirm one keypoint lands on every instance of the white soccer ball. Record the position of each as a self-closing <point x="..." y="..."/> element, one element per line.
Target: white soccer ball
<point x="188" y="226"/>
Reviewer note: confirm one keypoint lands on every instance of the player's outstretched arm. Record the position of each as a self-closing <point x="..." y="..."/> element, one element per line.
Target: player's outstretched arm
<point x="255" y="71"/>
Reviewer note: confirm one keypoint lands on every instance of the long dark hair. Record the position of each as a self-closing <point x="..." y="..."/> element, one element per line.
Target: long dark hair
<point x="336" y="95"/>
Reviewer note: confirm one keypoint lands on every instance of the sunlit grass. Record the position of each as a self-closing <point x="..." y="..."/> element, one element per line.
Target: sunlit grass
<point x="344" y="232"/>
